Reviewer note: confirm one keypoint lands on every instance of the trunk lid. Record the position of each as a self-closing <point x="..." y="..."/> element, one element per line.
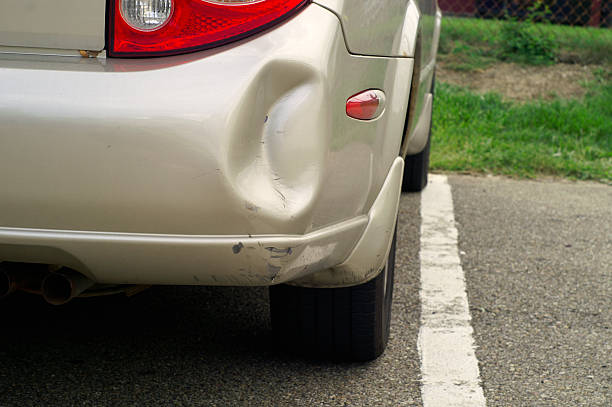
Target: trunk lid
<point x="60" y="24"/>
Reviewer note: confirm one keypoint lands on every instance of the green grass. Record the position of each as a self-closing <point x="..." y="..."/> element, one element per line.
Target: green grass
<point x="469" y="43"/>
<point x="485" y="134"/>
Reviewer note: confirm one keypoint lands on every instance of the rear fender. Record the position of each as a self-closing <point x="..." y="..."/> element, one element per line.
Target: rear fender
<point x="376" y="30"/>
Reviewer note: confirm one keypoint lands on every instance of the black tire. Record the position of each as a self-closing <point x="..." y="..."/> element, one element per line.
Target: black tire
<point x="416" y="166"/>
<point x="350" y="324"/>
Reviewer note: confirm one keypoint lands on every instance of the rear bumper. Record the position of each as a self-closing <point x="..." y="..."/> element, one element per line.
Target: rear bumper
<point x="123" y="258"/>
<point x="149" y="171"/>
<point x="116" y="258"/>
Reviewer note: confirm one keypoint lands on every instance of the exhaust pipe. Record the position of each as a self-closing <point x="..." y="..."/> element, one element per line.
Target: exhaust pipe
<point x="61" y="286"/>
<point x="7" y="283"/>
<point x="15" y="277"/>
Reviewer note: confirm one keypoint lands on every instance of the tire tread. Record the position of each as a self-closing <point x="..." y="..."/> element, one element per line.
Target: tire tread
<point x="348" y="323"/>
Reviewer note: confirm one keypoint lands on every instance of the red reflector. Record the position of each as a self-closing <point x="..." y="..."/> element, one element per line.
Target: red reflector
<point x="366" y="105"/>
<point x="196" y="25"/>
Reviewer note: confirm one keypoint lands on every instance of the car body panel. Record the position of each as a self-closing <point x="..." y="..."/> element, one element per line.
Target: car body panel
<point x="373" y="29"/>
<point x="269" y="151"/>
<point x="402" y="28"/>
<point x="62" y="24"/>
<point x="417" y="129"/>
<point x="200" y="152"/>
<point x="430" y="19"/>
<point x="371" y="252"/>
<point x="420" y="132"/>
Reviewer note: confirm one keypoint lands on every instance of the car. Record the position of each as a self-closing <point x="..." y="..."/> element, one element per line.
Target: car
<point x="216" y="142"/>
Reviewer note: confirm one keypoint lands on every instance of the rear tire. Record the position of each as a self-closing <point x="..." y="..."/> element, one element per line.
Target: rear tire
<point x="416" y="166"/>
<point x="350" y="323"/>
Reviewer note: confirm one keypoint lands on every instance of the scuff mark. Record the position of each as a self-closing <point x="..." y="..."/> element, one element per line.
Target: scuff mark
<point x="251" y="207"/>
<point x="237" y="247"/>
<point x="278" y="253"/>
<point x="206" y="173"/>
<point x="196" y="279"/>
<point x="89" y="54"/>
<point x="284" y="199"/>
<point x="273" y="271"/>
<point x="371" y="272"/>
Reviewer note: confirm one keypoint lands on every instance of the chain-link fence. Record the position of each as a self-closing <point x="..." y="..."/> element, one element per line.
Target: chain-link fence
<point x="530" y="31"/>
<point x="595" y="13"/>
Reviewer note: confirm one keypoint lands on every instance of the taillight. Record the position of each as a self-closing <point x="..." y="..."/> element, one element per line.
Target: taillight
<point x="140" y="28"/>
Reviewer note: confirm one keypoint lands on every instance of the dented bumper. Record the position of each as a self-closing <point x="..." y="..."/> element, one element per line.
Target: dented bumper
<point x="231" y="166"/>
<point x="123" y="258"/>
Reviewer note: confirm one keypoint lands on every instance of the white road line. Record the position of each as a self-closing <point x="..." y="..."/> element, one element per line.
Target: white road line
<point x="449" y="368"/>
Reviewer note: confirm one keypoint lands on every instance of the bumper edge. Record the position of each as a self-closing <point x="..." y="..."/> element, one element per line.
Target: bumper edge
<point x="122" y="258"/>
<point x="370" y="254"/>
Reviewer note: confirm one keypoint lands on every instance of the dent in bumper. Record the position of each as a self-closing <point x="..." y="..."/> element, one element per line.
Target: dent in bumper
<point x="368" y="257"/>
<point x="251" y="138"/>
<point x="344" y="254"/>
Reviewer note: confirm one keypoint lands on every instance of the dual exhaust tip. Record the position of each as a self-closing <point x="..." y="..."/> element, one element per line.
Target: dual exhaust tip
<point x="57" y="287"/>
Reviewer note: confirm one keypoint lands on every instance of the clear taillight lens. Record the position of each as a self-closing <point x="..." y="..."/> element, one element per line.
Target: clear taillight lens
<point x="140" y="28"/>
<point x="146" y="15"/>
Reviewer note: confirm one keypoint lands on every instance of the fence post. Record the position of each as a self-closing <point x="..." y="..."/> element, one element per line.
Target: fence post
<point x="595" y="20"/>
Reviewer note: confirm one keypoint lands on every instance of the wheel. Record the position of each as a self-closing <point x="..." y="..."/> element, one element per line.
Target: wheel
<point x="350" y="324"/>
<point x="416" y="166"/>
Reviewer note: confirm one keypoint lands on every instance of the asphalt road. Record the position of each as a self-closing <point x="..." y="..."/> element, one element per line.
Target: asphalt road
<point x="538" y="263"/>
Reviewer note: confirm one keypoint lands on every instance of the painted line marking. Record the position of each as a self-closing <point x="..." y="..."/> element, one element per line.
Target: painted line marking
<point x="449" y="369"/>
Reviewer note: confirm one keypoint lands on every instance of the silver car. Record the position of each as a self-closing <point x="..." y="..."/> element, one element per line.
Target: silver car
<point x="216" y="142"/>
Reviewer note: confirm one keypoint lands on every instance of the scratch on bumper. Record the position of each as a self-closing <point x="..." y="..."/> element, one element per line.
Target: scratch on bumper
<point x="122" y="258"/>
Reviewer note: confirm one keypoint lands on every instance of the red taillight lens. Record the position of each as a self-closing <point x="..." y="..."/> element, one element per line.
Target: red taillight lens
<point x="195" y="25"/>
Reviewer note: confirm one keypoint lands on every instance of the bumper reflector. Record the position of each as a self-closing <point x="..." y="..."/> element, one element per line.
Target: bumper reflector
<point x="366" y="105"/>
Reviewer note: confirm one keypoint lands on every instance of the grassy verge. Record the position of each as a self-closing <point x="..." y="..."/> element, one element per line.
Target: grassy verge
<point x="568" y="138"/>
<point x="469" y="43"/>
